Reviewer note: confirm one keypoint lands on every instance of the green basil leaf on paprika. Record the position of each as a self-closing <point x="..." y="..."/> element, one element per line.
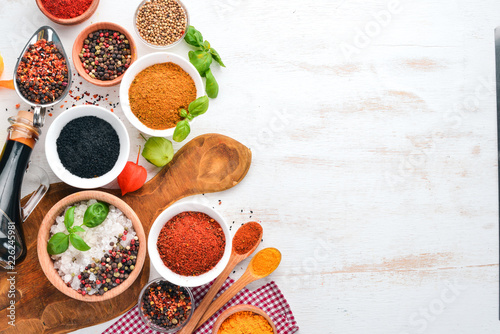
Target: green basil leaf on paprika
<point x="201" y="60"/>
<point x="183" y="113"/>
<point x="78" y="242"/>
<point x="69" y="217"/>
<point x="193" y="37"/>
<point x="58" y="243"/>
<point x="158" y="151"/>
<point x="216" y="57"/>
<point x="77" y="229"/>
<point x="211" y="86"/>
<point x="199" y="106"/>
<point x="95" y="214"/>
<point x="181" y="131"/>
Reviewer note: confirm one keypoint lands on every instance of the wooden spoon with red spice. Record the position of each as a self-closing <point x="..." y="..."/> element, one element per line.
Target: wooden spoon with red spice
<point x="245" y="241"/>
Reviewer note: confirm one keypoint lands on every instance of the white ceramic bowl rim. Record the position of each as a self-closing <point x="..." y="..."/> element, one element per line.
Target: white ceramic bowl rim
<point x="166" y="273"/>
<point x="51" y="147"/>
<point x="143" y="63"/>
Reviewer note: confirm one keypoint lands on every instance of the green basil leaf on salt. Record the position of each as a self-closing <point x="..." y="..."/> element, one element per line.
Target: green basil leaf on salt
<point x="201" y="60"/>
<point x="58" y="243"/>
<point x="211" y="86"/>
<point x="216" y="57"/>
<point x="181" y="131"/>
<point x="95" y="214"/>
<point x="183" y="113"/>
<point x="199" y="106"/>
<point x="193" y="37"/>
<point x="78" y="242"/>
<point x="69" y="217"/>
<point x="158" y="151"/>
<point x="77" y="229"/>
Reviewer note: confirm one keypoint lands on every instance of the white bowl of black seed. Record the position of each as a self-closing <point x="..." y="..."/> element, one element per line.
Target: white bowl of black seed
<point x="164" y="306"/>
<point x="161" y="24"/>
<point x="87" y="146"/>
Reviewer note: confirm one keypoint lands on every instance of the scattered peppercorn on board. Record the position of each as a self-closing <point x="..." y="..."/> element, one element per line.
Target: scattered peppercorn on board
<point x="208" y="163"/>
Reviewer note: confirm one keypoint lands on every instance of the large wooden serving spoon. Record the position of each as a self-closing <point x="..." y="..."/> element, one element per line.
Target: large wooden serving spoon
<point x="207" y="163"/>
<point x="207" y="300"/>
<point x="250" y="275"/>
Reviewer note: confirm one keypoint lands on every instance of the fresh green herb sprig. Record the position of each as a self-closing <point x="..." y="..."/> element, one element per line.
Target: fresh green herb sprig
<point x="196" y="108"/>
<point x="94" y="216"/>
<point x="202" y="59"/>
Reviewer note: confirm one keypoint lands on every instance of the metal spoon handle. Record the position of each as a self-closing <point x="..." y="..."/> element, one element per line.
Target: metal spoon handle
<point x="39" y="116"/>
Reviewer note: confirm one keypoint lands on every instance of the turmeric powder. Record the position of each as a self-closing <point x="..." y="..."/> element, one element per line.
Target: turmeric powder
<point x="266" y="261"/>
<point x="245" y="322"/>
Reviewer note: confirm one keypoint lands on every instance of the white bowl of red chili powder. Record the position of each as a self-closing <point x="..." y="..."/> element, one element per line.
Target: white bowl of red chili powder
<point x="189" y="244"/>
<point x="155" y="88"/>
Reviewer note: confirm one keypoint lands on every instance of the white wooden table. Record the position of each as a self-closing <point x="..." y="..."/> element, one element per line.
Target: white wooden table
<point x="373" y="131"/>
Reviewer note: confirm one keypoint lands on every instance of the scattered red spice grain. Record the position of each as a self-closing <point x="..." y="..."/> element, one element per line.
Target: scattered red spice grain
<point x="191" y="243"/>
<point x="18" y="106"/>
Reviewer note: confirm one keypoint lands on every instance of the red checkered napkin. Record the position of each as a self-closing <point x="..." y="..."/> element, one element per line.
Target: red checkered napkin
<point x="268" y="297"/>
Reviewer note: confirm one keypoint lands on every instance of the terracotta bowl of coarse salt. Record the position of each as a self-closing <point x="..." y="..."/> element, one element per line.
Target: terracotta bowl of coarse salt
<point x="108" y="240"/>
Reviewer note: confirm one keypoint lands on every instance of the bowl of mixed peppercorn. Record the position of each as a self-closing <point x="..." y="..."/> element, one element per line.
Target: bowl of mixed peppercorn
<point x="165" y="307"/>
<point x="102" y="53"/>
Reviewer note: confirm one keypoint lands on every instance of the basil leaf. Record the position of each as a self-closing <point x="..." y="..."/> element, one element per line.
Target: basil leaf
<point x="58" y="243"/>
<point x="95" y="214"/>
<point x="183" y="113"/>
<point x="199" y="106"/>
<point x="211" y="86"/>
<point x="158" y="151"/>
<point x="181" y="131"/>
<point x="206" y="46"/>
<point x="216" y="56"/>
<point x="190" y="117"/>
<point x="77" y="229"/>
<point x="193" y="37"/>
<point x="201" y="60"/>
<point x="69" y="217"/>
<point x="78" y="242"/>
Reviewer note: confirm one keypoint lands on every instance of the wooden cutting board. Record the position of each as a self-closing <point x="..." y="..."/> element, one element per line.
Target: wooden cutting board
<point x="208" y="163"/>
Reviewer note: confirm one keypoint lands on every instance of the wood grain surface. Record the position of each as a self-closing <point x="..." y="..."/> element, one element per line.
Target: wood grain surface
<point x="208" y="163"/>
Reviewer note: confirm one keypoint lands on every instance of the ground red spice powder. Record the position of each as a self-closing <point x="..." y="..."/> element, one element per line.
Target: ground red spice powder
<point x="246" y="237"/>
<point x="191" y="243"/>
<point x="66" y="9"/>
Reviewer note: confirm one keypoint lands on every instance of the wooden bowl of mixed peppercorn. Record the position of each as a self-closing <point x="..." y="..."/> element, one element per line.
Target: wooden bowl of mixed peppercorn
<point x="117" y="267"/>
<point x="65" y="13"/>
<point x="102" y="53"/>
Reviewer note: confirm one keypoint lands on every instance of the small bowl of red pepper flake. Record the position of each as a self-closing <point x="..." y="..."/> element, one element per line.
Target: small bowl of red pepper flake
<point x="165" y="307"/>
<point x="68" y="12"/>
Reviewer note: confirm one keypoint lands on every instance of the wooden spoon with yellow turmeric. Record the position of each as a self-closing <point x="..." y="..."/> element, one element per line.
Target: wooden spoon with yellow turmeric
<point x="245" y="241"/>
<point x="262" y="264"/>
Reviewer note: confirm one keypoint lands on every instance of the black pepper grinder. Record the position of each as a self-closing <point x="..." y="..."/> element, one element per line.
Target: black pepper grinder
<point x="21" y="139"/>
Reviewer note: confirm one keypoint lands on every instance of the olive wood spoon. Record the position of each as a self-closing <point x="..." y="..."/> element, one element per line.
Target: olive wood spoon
<point x="248" y="277"/>
<point x="234" y="259"/>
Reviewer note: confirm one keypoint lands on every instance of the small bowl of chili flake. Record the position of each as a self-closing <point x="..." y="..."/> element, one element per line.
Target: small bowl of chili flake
<point x="189" y="244"/>
<point x="165" y="307"/>
<point x="68" y="12"/>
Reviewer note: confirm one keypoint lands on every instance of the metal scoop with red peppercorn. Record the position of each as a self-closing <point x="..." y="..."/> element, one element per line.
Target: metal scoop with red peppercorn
<point x="42" y="73"/>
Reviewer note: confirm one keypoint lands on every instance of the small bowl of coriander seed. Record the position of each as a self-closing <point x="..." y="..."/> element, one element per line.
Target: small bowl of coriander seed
<point x="102" y="52"/>
<point x="161" y="24"/>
